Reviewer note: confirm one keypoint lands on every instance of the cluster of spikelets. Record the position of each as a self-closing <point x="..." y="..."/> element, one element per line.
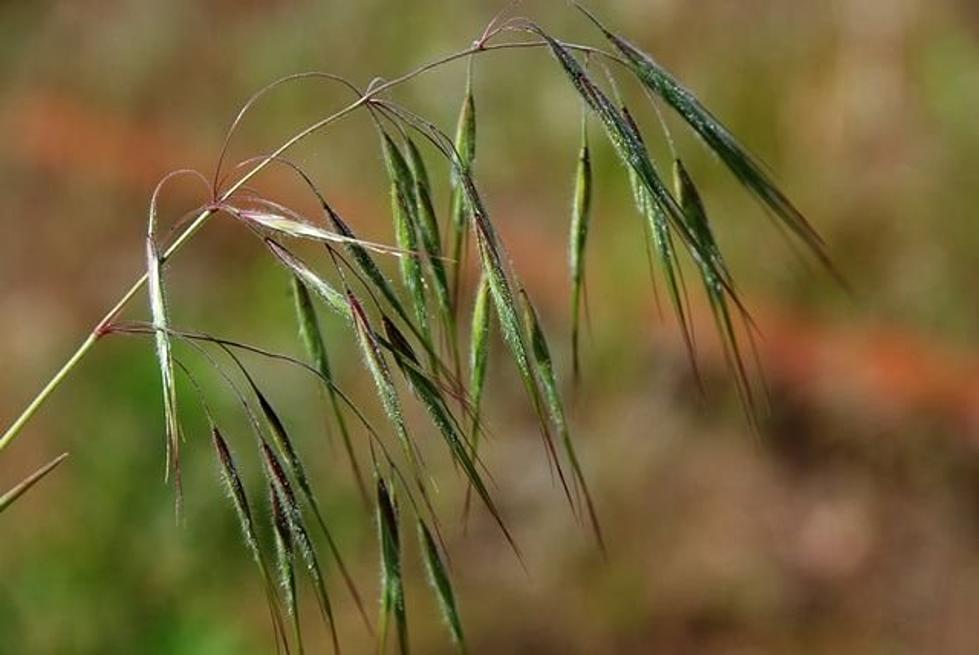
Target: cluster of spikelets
<point x="416" y="327"/>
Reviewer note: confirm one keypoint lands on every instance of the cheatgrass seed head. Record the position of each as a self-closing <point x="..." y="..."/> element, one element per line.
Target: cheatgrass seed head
<point x="441" y="582"/>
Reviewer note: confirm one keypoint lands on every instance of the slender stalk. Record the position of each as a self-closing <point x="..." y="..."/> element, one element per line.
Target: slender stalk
<point x="18" y="425"/>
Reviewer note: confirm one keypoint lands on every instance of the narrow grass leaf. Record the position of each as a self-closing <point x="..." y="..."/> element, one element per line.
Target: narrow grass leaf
<point x="8" y="498"/>
<point x="439" y="578"/>
<point x="312" y="337"/>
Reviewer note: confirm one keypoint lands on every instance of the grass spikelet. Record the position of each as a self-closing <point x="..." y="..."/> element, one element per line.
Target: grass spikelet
<point x="431" y="239"/>
<point x="624" y="139"/>
<point x="297" y="528"/>
<point x="373" y="273"/>
<point x="302" y="230"/>
<point x="580" y="218"/>
<point x="661" y="208"/>
<point x="693" y="208"/>
<point x="392" y="586"/>
<point x="548" y="379"/>
<point x="406" y="230"/>
<point x="287" y="451"/>
<point x="512" y="331"/>
<point x="8" y="498"/>
<point x="657" y="230"/>
<point x="367" y="265"/>
<point x="465" y="146"/>
<point x="312" y="338"/>
<point x="381" y="374"/>
<point x="333" y="298"/>
<point x="388" y="395"/>
<point x="438" y="410"/>
<point x="479" y="344"/>
<point x="439" y="578"/>
<point x="236" y="491"/>
<point x="286" y="560"/>
<point x="750" y="172"/>
<point x="232" y="481"/>
<point x="164" y="351"/>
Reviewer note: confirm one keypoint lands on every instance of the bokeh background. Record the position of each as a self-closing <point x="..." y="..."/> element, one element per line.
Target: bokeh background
<point x="850" y="524"/>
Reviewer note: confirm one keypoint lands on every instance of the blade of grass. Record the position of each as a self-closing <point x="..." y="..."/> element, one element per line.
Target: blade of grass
<point x="8" y="498"/>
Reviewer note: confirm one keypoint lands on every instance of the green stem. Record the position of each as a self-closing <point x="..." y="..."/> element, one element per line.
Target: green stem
<point x="18" y="425"/>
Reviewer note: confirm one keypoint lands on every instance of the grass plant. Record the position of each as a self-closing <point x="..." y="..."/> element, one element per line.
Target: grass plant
<point x="413" y="327"/>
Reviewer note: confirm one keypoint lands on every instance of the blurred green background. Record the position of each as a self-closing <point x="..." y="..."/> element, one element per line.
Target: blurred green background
<point x="849" y="526"/>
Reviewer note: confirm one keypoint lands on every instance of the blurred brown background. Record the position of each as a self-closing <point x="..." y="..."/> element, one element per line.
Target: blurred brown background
<point x="849" y="526"/>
